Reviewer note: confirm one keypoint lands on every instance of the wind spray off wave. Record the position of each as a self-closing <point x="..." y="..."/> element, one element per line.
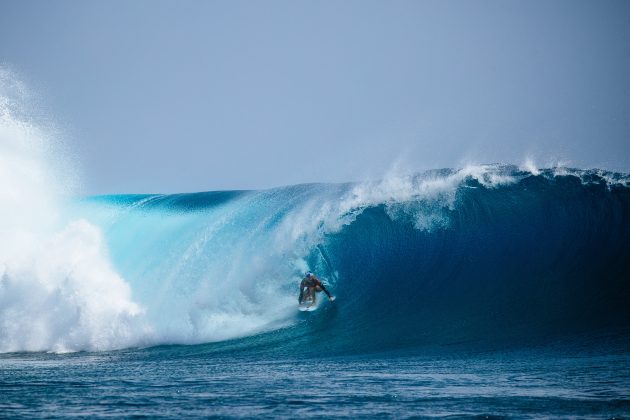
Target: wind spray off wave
<point x="58" y="291"/>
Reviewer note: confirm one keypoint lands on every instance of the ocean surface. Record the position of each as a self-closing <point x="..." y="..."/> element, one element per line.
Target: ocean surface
<point x="491" y="290"/>
<point x="195" y="382"/>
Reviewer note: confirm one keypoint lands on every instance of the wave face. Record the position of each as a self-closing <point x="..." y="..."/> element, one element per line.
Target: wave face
<point x="534" y="259"/>
<point x="485" y="254"/>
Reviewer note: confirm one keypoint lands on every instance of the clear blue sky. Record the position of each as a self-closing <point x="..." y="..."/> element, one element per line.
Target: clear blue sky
<point x="167" y="96"/>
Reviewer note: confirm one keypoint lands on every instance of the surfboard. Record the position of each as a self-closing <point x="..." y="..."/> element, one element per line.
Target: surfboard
<point x="308" y="305"/>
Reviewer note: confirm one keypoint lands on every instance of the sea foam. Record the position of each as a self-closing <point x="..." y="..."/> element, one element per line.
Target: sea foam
<point x="58" y="290"/>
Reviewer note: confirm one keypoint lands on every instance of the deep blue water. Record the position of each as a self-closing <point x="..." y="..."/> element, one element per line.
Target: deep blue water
<point x="194" y="382"/>
<point x="489" y="291"/>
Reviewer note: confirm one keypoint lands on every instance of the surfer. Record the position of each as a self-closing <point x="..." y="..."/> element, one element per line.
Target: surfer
<point x="309" y="286"/>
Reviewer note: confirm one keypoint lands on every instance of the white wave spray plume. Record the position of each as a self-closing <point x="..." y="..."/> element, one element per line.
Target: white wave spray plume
<point x="58" y="291"/>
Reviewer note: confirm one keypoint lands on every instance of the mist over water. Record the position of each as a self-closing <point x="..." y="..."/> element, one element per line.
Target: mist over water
<point x="58" y="290"/>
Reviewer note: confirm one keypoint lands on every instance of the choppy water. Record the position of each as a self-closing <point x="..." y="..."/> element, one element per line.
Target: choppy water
<point x="195" y="382"/>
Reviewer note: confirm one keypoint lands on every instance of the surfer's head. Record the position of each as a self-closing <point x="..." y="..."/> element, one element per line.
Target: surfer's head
<point x="308" y="274"/>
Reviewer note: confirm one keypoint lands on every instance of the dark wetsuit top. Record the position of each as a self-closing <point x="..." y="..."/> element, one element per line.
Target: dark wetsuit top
<point x="310" y="281"/>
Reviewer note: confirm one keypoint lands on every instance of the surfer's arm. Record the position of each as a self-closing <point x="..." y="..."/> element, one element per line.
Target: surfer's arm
<point x="324" y="290"/>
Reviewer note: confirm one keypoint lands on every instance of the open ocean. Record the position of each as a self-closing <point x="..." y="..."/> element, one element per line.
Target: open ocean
<point x="176" y="381"/>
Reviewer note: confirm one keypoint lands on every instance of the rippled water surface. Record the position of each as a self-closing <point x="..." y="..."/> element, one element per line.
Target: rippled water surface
<point x="180" y="381"/>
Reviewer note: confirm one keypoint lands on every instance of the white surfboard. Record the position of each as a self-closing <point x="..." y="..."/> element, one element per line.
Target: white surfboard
<point x="308" y="305"/>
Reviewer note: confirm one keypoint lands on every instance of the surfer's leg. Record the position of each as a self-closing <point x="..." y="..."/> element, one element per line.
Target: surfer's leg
<point x="306" y="296"/>
<point x="309" y="296"/>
